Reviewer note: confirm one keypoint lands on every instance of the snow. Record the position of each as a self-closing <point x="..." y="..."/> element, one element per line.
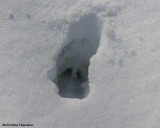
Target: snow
<point x="123" y="72"/>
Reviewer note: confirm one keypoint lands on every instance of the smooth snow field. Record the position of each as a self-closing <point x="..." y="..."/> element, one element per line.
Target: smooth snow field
<point x="80" y="64"/>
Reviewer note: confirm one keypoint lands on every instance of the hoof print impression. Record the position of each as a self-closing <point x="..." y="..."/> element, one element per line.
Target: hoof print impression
<point x="73" y="61"/>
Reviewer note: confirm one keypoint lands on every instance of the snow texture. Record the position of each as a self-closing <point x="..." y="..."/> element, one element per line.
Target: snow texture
<point x="107" y="51"/>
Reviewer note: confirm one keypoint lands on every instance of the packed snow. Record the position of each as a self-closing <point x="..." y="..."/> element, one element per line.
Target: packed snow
<point x="80" y="64"/>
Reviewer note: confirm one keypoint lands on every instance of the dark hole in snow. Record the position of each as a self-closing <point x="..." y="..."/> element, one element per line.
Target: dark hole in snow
<point x="73" y="60"/>
<point x="70" y="85"/>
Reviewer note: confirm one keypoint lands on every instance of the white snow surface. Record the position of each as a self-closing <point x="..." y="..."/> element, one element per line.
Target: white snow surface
<point x="124" y="74"/>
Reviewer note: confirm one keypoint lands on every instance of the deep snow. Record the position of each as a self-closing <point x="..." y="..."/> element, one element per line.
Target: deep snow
<point x="123" y="74"/>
